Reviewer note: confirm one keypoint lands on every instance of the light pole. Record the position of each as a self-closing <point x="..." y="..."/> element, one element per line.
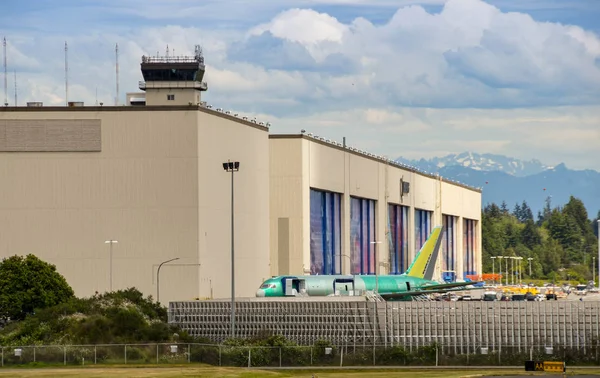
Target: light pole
<point x="500" y="267"/>
<point x="507" y="278"/>
<point x="594" y="270"/>
<point x="520" y="270"/>
<point x="530" y="258"/>
<point x="111" y="242"/>
<point x="232" y="166"/>
<point x="376" y="265"/>
<point x="512" y="268"/>
<point x="494" y="267"/>
<point x="158" y="278"/>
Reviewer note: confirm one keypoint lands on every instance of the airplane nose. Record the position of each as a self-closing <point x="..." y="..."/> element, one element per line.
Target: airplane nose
<point x="260" y="293"/>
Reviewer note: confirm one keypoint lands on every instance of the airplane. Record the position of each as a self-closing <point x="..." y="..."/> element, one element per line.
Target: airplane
<point x="416" y="281"/>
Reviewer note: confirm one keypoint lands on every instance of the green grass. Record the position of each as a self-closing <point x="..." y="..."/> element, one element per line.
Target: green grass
<point x="209" y="372"/>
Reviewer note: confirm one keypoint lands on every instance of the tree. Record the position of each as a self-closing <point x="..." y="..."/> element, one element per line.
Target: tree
<point x="530" y="235"/>
<point x="504" y="208"/>
<point x="27" y="284"/>
<point x="526" y="213"/>
<point x="576" y="210"/>
<point x="517" y="211"/>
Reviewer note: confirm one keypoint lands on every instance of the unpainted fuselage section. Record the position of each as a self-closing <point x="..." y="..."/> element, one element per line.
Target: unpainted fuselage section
<point x="283" y="286"/>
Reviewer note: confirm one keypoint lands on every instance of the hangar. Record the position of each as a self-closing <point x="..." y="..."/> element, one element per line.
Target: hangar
<point x="109" y="193"/>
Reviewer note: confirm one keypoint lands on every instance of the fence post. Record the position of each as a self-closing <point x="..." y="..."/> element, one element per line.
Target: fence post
<point x="189" y="351"/>
<point x="125" y="354"/>
<point x="373" y="353"/>
<point x="2" y="356"/>
<point x="219" y="355"/>
<point x="500" y="354"/>
<point x="311" y="355"/>
<point x="249" y="357"/>
<point x="95" y="350"/>
<point x="157" y="353"/>
<point x="279" y="356"/>
<point x="33" y="354"/>
<point x="436" y="355"/>
<point x="64" y="355"/>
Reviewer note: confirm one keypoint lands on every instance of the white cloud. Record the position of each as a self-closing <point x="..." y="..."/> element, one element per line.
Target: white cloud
<point x="467" y="77"/>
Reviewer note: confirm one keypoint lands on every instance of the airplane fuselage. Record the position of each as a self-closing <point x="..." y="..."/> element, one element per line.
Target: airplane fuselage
<point x="323" y="285"/>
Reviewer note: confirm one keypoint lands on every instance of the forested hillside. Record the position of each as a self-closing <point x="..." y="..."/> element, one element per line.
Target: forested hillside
<point x="562" y="241"/>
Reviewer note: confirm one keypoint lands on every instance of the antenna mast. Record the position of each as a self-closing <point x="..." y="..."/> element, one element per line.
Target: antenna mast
<point x="5" y="74"/>
<point x="117" y="77"/>
<point x="16" y="88"/>
<point x="66" y="75"/>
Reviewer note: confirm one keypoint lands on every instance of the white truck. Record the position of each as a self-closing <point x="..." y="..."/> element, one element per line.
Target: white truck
<point x="581" y="290"/>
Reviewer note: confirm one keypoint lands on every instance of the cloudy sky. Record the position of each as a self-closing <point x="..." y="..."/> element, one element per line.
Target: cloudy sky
<point x="412" y="78"/>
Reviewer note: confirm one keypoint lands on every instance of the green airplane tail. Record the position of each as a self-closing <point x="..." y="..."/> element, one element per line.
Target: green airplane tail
<point x="423" y="265"/>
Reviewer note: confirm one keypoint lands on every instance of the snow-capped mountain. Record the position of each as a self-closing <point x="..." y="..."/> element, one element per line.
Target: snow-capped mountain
<point x="512" y="180"/>
<point x="480" y="162"/>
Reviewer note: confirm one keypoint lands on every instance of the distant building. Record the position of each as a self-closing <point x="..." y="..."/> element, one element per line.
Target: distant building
<point x="150" y="175"/>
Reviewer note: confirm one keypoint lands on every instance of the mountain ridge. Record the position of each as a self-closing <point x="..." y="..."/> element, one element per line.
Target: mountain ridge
<point x="513" y="180"/>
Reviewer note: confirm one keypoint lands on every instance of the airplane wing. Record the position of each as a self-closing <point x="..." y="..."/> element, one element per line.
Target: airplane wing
<point x="430" y="289"/>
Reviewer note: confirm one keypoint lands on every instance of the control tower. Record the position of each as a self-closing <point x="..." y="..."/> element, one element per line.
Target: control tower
<point x="173" y="80"/>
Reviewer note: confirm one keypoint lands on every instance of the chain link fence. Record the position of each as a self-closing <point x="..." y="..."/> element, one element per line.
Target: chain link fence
<point x="291" y="356"/>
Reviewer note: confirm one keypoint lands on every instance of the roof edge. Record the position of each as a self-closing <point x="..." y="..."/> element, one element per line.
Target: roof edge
<point x="126" y="108"/>
<point x="374" y="158"/>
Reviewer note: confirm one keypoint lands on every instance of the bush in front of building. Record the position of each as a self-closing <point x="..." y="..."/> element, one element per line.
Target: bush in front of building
<point x="124" y="316"/>
<point x="28" y="284"/>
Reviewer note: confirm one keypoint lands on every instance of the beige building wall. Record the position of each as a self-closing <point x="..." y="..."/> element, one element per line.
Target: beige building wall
<point x="329" y="167"/>
<point x="146" y="188"/>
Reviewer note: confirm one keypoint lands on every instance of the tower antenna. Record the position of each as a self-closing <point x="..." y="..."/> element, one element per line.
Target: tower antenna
<point x="16" y="88"/>
<point x="117" y="77"/>
<point x="96" y="96"/>
<point x="5" y="73"/>
<point x="66" y="75"/>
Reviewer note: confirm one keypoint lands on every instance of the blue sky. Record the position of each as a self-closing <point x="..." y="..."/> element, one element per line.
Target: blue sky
<point x="413" y="78"/>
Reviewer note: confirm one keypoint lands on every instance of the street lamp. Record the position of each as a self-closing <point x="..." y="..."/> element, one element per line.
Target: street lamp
<point x="594" y="270"/>
<point x="500" y="267"/>
<point x="494" y="267"/>
<point x="520" y="270"/>
<point x="232" y="166"/>
<point x="111" y="242"/>
<point x="507" y="278"/>
<point x="376" y="265"/>
<point x="530" y="258"/>
<point x="158" y="278"/>
<point x="512" y="269"/>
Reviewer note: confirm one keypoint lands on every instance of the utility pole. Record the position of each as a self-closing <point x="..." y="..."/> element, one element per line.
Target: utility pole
<point x="231" y="166"/>
<point x="111" y="242"/>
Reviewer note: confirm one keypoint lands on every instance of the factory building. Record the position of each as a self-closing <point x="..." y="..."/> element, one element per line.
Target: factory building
<point x="109" y="193"/>
<point x="339" y="210"/>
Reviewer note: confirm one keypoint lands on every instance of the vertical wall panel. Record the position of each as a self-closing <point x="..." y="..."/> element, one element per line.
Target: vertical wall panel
<point x="283" y="245"/>
<point x="449" y="248"/>
<point x="398" y="238"/>
<point x="362" y="233"/>
<point x="469" y="246"/>
<point x="325" y="232"/>
<point x="422" y="227"/>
